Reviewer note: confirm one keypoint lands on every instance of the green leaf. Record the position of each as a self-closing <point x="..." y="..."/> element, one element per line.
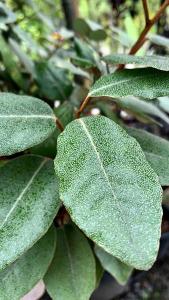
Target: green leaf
<point x="156" y="150"/>
<point x="29" y="201"/>
<point x="110" y="190"/>
<point x="21" y="276"/>
<point x="163" y="103"/>
<point x="99" y="271"/>
<point x="159" y="40"/>
<point x="82" y="62"/>
<point x="120" y="271"/>
<point x="92" y="30"/>
<point x="108" y="111"/>
<point x="10" y="62"/>
<point x="67" y="65"/>
<point x="122" y="37"/>
<point x="24" y="59"/>
<point x="53" y="82"/>
<point x="65" y="113"/>
<point x="72" y="274"/>
<point x="25" y="122"/>
<point x="144" y="82"/>
<point x="154" y="61"/>
<point x="140" y="108"/>
<point x="48" y="147"/>
<point x="84" y="51"/>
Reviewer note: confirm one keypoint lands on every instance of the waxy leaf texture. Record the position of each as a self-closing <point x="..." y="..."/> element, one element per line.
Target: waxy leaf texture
<point x="110" y="190"/>
<point x="29" y="201"/>
<point x="24" y="122"/>
<point x="143" y="82"/>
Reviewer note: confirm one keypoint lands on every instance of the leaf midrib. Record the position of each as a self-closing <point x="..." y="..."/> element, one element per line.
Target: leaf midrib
<point x="118" y="83"/>
<point x="19" y="198"/>
<point x="27" y="117"/>
<point x="71" y="264"/>
<point x="106" y="176"/>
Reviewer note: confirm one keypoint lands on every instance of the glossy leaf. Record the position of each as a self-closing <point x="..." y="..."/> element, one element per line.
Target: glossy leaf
<point x="29" y="201"/>
<point x="21" y="276"/>
<point x="72" y="272"/>
<point x="156" y="150"/>
<point x="144" y="82"/>
<point x="120" y="271"/>
<point x="110" y="190"/>
<point x="24" y="122"/>
<point x="154" y="61"/>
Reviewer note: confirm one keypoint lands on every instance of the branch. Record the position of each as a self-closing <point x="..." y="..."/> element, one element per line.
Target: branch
<point x="82" y="106"/>
<point x="142" y="38"/>
<point x="146" y="11"/>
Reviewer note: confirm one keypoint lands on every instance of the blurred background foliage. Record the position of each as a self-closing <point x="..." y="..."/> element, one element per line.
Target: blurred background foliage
<point x="53" y="49"/>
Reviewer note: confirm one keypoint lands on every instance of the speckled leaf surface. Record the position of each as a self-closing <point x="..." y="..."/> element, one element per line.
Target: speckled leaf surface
<point x="144" y="82"/>
<point x="72" y="274"/>
<point x="156" y="150"/>
<point x="154" y="61"/>
<point x="21" y="276"/>
<point x="24" y="122"/>
<point x="29" y="201"/>
<point x="120" y="271"/>
<point x="110" y="190"/>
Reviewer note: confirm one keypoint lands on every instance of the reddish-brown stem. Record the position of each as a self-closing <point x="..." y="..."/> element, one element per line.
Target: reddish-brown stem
<point x="146" y="11"/>
<point x="59" y="124"/>
<point x="149" y="23"/>
<point x="83" y="105"/>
